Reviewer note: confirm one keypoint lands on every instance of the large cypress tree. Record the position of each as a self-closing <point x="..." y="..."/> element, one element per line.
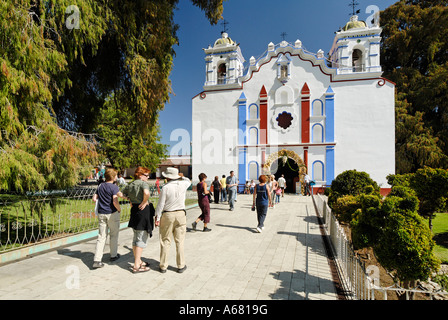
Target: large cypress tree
<point x="415" y="56"/>
<point x="62" y="62"/>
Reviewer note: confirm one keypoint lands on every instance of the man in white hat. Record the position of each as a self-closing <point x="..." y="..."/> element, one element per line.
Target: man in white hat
<point x="171" y="217"/>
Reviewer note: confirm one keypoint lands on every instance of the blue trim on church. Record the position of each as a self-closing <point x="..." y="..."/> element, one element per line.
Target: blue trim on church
<point x="329" y="164"/>
<point x="329" y="115"/>
<point x="242" y="138"/>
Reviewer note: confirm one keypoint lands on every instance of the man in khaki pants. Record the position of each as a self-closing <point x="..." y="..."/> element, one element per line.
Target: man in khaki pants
<point x="171" y="217"/>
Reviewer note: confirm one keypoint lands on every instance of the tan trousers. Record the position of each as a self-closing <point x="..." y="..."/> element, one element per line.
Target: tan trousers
<point x="172" y="224"/>
<point x="105" y="222"/>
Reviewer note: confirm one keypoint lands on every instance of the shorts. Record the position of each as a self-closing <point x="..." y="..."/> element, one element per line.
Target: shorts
<point x="140" y="238"/>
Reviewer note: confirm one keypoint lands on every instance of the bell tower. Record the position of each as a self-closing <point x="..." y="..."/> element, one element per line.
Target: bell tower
<point x="356" y="48"/>
<point x="224" y="63"/>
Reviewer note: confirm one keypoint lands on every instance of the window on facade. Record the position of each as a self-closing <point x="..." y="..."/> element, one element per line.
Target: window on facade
<point x="317" y="108"/>
<point x="318" y="171"/>
<point x="318" y="133"/>
<point x="284" y="120"/>
<point x="253" y="171"/>
<point x="222" y="73"/>
<point x="253" y="112"/>
<point x="357" y="61"/>
<point x="253" y="136"/>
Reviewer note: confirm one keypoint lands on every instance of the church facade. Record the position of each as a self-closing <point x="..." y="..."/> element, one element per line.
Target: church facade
<point x="291" y="111"/>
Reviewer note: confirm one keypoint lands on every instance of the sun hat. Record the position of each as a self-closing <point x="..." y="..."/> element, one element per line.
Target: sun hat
<point x="171" y="173"/>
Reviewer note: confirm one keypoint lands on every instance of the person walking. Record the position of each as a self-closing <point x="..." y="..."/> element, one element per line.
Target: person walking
<point x="232" y="184"/>
<point x="108" y="209"/>
<point x="216" y="189"/>
<point x="171" y="217"/>
<point x="307" y="185"/>
<point x="204" y="202"/>
<point x="142" y="216"/>
<point x="273" y="185"/>
<point x="223" y="188"/>
<point x="282" y="184"/>
<point x="261" y="200"/>
<point x="252" y="186"/>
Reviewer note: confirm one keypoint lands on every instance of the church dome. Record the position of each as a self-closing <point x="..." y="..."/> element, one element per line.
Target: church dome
<point x="224" y="40"/>
<point x="354" y="23"/>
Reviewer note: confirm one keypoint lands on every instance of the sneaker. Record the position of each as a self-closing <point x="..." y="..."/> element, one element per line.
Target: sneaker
<point x="194" y="224"/>
<point x="259" y="230"/>
<point x="97" y="264"/>
<point x="115" y="258"/>
<point x="207" y="229"/>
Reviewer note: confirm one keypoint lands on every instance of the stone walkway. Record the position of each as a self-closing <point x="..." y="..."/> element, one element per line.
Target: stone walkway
<point x="232" y="262"/>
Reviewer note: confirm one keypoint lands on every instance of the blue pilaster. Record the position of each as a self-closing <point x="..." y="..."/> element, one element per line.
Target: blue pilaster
<point x="329" y="164"/>
<point x="242" y="117"/>
<point x="329" y="115"/>
<point x="242" y="134"/>
<point x="242" y="165"/>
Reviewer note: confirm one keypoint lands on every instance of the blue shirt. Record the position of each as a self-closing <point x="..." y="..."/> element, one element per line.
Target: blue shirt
<point x="105" y="192"/>
<point x="231" y="180"/>
<point x="262" y="196"/>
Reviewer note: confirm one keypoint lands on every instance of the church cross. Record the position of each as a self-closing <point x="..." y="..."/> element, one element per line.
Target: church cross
<point x="283" y="35"/>
<point x="354" y="4"/>
<point x="224" y="24"/>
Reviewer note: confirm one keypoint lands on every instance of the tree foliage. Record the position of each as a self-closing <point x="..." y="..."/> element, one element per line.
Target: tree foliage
<point x="415" y="57"/>
<point x="351" y="182"/>
<point x="55" y="77"/>
<point x="430" y="186"/>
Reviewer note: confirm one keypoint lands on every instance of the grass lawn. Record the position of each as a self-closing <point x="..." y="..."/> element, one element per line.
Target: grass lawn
<point x="440" y="230"/>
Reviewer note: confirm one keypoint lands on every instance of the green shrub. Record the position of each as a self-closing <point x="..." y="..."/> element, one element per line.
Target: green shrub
<point x="351" y="182"/>
<point x="367" y="221"/>
<point x="345" y="207"/>
<point x="406" y="246"/>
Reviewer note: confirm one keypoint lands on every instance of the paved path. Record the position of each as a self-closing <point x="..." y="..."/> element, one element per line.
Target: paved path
<point x="285" y="262"/>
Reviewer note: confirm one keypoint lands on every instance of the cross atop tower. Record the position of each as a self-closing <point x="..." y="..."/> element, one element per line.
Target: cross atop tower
<point x="224" y="24"/>
<point x="283" y="35"/>
<point x="354" y="4"/>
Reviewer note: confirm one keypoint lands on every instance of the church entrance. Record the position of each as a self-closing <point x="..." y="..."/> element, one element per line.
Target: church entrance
<point x="290" y="171"/>
<point x="289" y="164"/>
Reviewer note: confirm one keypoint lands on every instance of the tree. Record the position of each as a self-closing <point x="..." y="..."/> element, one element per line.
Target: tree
<point x="415" y="57"/>
<point x="122" y="143"/>
<point x="54" y="77"/>
<point x="35" y="153"/>
<point x="430" y="186"/>
<point x="400" y="238"/>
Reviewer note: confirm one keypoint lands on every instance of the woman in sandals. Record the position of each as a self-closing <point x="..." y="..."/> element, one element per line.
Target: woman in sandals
<point x="142" y="216"/>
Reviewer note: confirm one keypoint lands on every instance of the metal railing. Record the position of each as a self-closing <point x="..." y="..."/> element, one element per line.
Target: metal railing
<point x="37" y="217"/>
<point x="358" y="281"/>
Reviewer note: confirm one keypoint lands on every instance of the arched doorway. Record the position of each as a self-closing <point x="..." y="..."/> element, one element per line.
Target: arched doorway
<point x="290" y="170"/>
<point x="288" y="163"/>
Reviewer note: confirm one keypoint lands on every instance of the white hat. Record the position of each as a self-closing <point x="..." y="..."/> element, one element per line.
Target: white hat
<point x="171" y="173"/>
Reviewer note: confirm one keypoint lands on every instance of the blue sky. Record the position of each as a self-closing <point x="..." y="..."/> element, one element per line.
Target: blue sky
<point x="253" y="24"/>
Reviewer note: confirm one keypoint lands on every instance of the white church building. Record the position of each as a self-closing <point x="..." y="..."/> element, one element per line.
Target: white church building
<point x="292" y="111"/>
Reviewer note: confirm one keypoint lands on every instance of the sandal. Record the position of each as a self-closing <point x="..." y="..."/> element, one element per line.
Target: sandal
<point x="143" y="268"/>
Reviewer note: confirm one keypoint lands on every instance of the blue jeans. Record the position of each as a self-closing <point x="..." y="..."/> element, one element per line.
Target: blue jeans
<point x="262" y="210"/>
<point x="223" y="194"/>
<point x="232" y="196"/>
